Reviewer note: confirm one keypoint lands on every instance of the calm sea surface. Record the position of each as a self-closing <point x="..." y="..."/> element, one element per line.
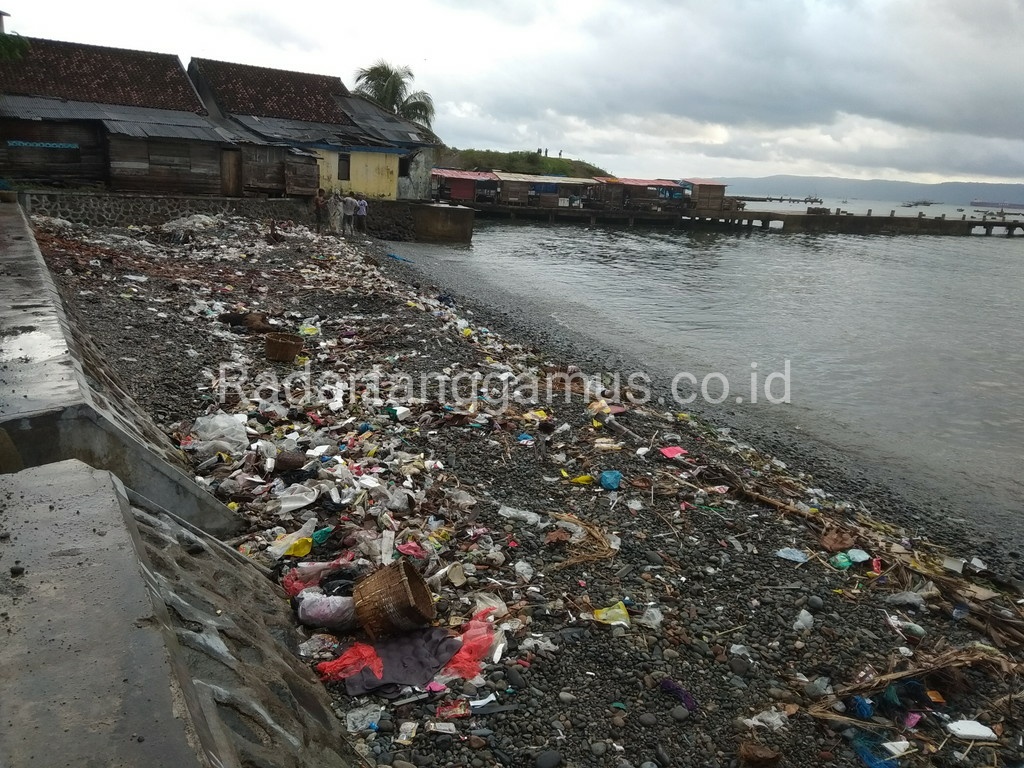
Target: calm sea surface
<point x="907" y="350"/>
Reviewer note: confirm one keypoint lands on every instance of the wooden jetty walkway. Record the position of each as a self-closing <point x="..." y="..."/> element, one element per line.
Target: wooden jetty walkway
<point x="838" y="222"/>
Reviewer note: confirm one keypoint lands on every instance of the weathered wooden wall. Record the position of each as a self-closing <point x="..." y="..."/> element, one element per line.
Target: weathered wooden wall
<point x="167" y="166"/>
<point x="82" y="163"/>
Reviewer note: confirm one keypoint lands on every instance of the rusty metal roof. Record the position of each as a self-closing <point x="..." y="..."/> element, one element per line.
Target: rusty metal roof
<point x="454" y="173"/>
<point x="636" y="182"/>
<point x="532" y="179"/>
<point x="140" y="122"/>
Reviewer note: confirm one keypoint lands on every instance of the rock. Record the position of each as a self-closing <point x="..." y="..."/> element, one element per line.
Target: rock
<point x="468" y="689"/>
<point x="549" y="759"/>
<point x="566" y="698"/>
<point x="619" y="722"/>
<point x="648" y="719"/>
<point x="679" y="713"/>
<point x="662" y="756"/>
<point x="815" y="603"/>
<point x="598" y="748"/>
<point x="653" y="557"/>
<point x="402" y="764"/>
<point x="670" y="654"/>
<point x="17" y="570"/>
<point x="515" y="678"/>
<point x="477" y="742"/>
<point x="739" y="665"/>
<point x="386" y="726"/>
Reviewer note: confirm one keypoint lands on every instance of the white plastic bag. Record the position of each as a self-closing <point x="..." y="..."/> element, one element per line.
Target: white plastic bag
<point x="332" y="612"/>
<point x="281" y="545"/>
<point x="224" y="428"/>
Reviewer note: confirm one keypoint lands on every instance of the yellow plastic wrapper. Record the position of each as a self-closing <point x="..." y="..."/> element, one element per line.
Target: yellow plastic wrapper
<point x="613" y="614"/>
<point x="300" y="548"/>
<point x="583" y="480"/>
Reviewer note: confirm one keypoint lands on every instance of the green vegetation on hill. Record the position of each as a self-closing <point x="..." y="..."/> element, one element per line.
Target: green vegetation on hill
<point x="516" y="162"/>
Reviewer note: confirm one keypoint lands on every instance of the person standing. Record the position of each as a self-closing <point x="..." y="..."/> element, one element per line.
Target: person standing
<point x="319" y="209"/>
<point x="334" y="206"/>
<point x="348" y="209"/>
<point x="361" y="208"/>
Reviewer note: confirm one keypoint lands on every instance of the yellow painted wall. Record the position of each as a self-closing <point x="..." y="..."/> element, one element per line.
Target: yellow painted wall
<point x="374" y="174"/>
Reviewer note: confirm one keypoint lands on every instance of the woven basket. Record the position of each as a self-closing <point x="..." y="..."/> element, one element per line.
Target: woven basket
<point x="283" y="347"/>
<point x="393" y="600"/>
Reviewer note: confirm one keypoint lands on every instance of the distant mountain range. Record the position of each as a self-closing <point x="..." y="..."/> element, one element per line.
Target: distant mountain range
<point x="828" y="187"/>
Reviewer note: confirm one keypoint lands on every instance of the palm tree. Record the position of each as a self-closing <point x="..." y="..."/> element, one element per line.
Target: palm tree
<point x="389" y="86"/>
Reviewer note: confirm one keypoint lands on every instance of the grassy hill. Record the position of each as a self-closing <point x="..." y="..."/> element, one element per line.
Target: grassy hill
<point x="516" y="162"/>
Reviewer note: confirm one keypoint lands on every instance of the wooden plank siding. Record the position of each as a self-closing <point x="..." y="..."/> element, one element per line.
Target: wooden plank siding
<point x="165" y="166"/>
<point x="83" y="163"/>
<point x="263" y="170"/>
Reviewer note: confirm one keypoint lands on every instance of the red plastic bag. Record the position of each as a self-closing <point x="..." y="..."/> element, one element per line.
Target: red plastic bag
<point x="477" y="639"/>
<point x="354" y="659"/>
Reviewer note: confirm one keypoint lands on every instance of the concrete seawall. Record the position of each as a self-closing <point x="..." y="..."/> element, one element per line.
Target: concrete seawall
<point x="133" y="636"/>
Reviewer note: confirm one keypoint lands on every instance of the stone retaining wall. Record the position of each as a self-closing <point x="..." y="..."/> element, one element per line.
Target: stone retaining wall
<point x="105" y="209"/>
<point x="388" y="220"/>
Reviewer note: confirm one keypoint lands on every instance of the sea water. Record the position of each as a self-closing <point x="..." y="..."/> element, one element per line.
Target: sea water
<point x="907" y="351"/>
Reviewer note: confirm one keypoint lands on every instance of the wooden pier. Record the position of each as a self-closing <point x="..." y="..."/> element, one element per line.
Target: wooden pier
<point x="837" y="223"/>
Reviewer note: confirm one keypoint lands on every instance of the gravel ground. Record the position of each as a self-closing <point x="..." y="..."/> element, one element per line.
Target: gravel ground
<point x="697" y="534"/>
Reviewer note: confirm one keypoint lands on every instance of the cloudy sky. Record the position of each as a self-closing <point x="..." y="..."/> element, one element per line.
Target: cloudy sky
<point x="922" y="90"/>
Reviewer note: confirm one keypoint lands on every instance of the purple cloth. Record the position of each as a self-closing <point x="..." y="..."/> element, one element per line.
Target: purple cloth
<point x="411" y="659"/>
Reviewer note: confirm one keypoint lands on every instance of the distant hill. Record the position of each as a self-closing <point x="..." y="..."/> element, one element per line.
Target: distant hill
<point x="515" y="162"/>
<point x="951" y="192"/>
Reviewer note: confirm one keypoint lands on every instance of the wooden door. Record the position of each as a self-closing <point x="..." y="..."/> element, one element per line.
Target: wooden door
<point x="231" y="172"/>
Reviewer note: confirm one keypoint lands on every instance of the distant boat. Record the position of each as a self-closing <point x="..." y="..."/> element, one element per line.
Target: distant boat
<point x="959" y="210"/>
<point x="916" y="203"/>
<point x="986" y="204"/>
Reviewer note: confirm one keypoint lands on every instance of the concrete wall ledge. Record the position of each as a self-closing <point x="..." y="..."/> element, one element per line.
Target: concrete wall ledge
<point x="58" y="401"/>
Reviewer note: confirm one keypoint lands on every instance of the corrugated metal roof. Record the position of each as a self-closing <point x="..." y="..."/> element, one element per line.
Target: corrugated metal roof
<point x="165" y="131"/>
<point x="636" y="182"/>
<point x="280" y="129"/>
<point x="140" y="122"/>
<point x="383" y="124"/>
<point x="704" y="183"/>
<point x="503" y="176"/>
<point x="453" y="173"/>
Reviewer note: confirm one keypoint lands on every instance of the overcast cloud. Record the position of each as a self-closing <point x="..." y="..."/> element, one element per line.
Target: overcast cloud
<point x="923" y="90"/>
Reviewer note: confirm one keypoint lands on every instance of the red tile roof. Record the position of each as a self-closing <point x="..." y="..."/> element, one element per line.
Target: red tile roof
<point x="93" y="73"/>
<point x="241" y="89"/>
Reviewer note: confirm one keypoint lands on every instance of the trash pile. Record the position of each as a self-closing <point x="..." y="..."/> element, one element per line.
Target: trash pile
<point x="484" y="576"/>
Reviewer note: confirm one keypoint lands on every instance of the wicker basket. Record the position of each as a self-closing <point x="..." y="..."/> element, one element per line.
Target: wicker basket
<point x="283" y="347"/>
<point x="393" y="600"/>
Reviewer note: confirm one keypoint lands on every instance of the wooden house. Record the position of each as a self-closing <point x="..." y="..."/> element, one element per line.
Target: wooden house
<point x="638" y="194"/>
<point x="457" y="186"/>
<point x="86" y="115"/>
<point x="704" y="194"/>
<point x="298" y="111"/>
<point x="541" y="191"/>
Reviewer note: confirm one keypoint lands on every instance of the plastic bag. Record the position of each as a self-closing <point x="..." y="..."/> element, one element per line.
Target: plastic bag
<point x="524" y="571"/>
<point x="476" y="642"/>
<point x="329" y="611"/>
<point x="522" y="515"/>
<point x="486" y="601"/>
<point x="225" y="428"/>
<point x="356" y="657"/>
<point x="613" y="614"/>
<point x="652" y="618"/>
<point x="537" y="644"/>
<point x="281" y="546"/>
<point x="319" y="645"/>
<point x="306" y="575"/>
<point x="804" y="620"/>
<point x="610" y="479"/>
<point x="363" y="718"/>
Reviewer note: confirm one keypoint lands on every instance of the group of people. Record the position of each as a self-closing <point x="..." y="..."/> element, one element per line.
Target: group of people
<point x="345" y="214"/>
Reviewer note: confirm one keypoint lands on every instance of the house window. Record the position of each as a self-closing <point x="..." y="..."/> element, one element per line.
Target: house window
<point x="344" y="167"/>
<point x="403" y="166"/>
